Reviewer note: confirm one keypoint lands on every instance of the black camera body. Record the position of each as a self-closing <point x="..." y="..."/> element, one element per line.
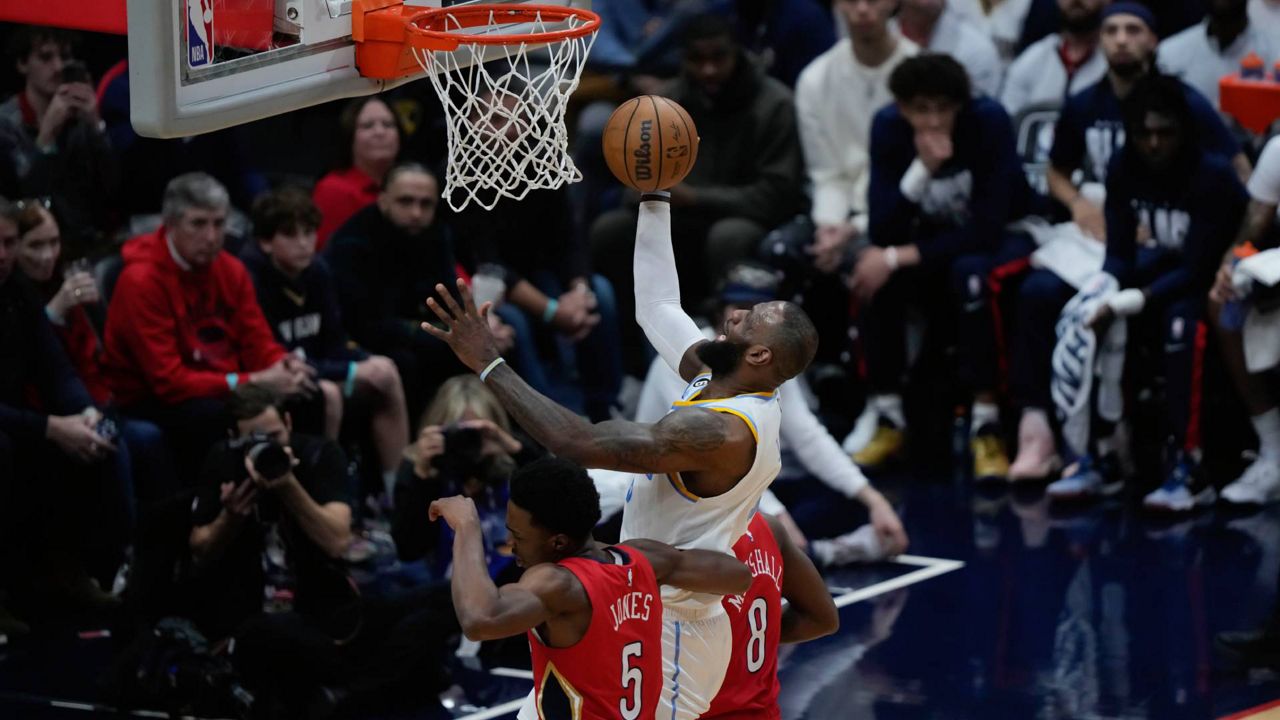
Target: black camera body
<point x="76" y="71"/>
<point x="463" y="450"/>
<point x="267" y="456"/>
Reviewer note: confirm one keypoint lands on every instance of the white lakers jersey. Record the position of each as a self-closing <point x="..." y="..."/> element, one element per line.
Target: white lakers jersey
<point x="660" y="507"/>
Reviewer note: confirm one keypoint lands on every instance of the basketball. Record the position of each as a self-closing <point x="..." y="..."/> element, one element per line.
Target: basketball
<point x="650" y="143"/>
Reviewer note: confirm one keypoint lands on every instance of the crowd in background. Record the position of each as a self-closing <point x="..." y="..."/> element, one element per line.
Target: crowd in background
<point x="217" y="402"/>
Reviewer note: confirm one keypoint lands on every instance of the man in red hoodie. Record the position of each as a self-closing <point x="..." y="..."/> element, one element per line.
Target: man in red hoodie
<point x="184" y="326"/>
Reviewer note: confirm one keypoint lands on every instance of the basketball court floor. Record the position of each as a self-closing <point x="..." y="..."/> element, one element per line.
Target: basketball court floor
<point x="1003" y="609"/>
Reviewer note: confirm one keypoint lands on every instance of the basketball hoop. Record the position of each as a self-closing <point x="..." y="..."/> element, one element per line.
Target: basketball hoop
<point x="506" y="125"/>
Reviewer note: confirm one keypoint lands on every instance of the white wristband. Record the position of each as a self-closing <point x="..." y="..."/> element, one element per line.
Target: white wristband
<point x="1127" y="302"/>
<point x="484" y="374"/>
<point x="914" y="181"/>
<point x="891" y="257"/>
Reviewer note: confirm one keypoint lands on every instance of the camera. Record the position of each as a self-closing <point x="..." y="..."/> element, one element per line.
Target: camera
<point x="267" y="456"/>
<point x="462" y="452"/>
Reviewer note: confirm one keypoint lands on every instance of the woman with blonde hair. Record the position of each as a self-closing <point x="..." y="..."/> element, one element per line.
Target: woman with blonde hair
<point x="467" y="446"/>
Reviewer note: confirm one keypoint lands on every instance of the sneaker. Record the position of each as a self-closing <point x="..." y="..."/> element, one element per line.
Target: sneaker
<point x="887" y="444"/>
<point x="990" y="459"/>
<point x="1183" y="491"/>
<point x="1258" y="485"/>
<point x="1093" y="477"/>
<point x="1250" y="648"/>
<point x="861" y="545"/>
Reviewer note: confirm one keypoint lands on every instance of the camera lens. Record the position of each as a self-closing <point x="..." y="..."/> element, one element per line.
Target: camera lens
<point x="270" y="460"/>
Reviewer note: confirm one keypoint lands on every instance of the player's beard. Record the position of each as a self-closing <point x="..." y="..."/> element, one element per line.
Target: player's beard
<point x="722" y="356"/>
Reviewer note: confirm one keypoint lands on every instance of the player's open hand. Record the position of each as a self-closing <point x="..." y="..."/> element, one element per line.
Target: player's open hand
<point x="459" y="511"/>
<point x="466" y="328"/>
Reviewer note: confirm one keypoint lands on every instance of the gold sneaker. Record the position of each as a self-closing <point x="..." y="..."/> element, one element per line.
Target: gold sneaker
<point x="885" y="445"/>
<point x="990" y="459"/>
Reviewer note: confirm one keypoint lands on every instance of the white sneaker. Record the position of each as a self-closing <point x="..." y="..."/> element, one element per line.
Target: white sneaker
<point x="861" y="545"/>
<point x="864" y="428"/>
<point x="1258" y="485"/>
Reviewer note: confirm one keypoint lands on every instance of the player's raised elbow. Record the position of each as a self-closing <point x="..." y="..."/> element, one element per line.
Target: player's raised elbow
<point x="479" y="629"/>
<point x="826" y="621"/>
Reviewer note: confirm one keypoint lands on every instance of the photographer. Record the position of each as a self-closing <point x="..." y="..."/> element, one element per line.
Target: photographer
<point x="54" y="136"/>
<point x="269" y="525"/>
<point x="466" y="447"/>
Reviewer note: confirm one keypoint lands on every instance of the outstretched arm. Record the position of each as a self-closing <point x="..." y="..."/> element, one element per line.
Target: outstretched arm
<point x="658" y="312"/>
<point x="703" y="571"/>
<point x="689" y="439"/>
<point x="810" y="612"/>
<point x="486" y="611"/>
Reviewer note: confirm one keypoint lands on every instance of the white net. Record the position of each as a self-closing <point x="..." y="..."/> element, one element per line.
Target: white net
<point x="506" y="117"/>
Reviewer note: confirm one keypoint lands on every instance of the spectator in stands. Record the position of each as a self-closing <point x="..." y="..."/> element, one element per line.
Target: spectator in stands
<point x="786" y="35"/>
<point x="386" y="261"/>
<point x="1059" y="65"/>
<point x="54" y="136"/>
<point x="184" y="327"/>
<point x="936" y="28"/>
<point x="467" y="446"/>
<point x="722" y="210"/>
<point x="297" y="295"/>
<point x="65" y="513"/>
<point x="1089" y="131"/>
<point x="945" y="181"/>
<point x="1172" y="210"/>
<point x="1090" y="128"/>
<point x="267" y="538"/>
<point x="1001" y="20"/>
<point x="1260" y="482"/>
<point x="536" y="248"/>
<point x="641" y="40"/>
<point x="836" y="99"/>
<point x="369" y="146"/>
<point x="832" y="490"/>
<point x="1203" y="53"/>
<point x="69" y="298"/>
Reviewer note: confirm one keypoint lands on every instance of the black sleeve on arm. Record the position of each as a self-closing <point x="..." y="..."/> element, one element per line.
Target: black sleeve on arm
<point x="1122" y="224"/>
<point x="326" y="468"/>
<point x="415" y="535"/>
<point x="221" y="464"/>
<point x="890" y="213"/>
<point x="56" y="378"/>
<point x="22" y="424"/>
<point x="336" y="347"/>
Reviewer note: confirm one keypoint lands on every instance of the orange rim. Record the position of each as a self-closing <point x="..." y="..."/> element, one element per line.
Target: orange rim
<point x="424" y="34"/>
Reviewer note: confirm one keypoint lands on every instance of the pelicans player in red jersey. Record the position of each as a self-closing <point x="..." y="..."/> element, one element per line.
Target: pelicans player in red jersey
<point x="779" y="570"/>
<point x="593" y="613"/>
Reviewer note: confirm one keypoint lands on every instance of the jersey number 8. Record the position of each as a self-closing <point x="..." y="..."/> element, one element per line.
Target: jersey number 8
<point x="758" y="620"/>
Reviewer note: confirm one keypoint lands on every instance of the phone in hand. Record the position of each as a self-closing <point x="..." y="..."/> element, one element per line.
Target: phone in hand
<point x="75" y="71"/>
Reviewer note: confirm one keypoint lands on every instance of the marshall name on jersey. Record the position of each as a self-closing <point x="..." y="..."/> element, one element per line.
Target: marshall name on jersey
<point x="750" y="688"/>
<point x="615" y="670"/>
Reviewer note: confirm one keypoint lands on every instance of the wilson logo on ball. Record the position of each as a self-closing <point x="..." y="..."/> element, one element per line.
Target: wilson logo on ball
<point x="644" y="157"/>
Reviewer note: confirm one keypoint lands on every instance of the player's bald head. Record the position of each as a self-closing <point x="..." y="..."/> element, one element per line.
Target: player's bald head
<point x="791" y="336"/>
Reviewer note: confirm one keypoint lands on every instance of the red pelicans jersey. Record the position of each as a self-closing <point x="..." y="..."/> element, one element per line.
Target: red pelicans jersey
<point x="750" y="688"/>
<point x="615" y="670"/>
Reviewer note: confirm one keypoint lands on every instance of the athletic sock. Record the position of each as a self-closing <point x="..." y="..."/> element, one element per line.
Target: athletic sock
<point x="1267" y="425"/>
<point x="889" y="407"/>
<point x="983" y="415"/>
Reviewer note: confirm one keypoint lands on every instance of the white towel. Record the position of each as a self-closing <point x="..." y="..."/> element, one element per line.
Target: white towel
<point x="1077" y="358"/>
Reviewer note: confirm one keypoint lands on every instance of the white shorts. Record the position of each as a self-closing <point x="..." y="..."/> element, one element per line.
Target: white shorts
<point x="695" y="657"/>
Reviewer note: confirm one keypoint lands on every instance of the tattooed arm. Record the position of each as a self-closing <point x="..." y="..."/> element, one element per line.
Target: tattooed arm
<point x="687" y="440"/>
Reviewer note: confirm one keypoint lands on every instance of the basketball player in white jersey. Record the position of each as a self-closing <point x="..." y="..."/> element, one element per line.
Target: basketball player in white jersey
<point x="701" y="469"/>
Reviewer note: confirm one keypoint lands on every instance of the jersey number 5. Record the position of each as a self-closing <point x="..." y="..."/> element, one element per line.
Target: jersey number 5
<point x="758" y="620"/>
<point x="632" y="678"/>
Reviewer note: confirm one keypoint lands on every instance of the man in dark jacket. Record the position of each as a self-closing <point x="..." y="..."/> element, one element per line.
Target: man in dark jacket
<point x="297" y="295"/>
<point x="945" y="181"/>
<point x="748" y="177"/>
<point x="386" y="261"/>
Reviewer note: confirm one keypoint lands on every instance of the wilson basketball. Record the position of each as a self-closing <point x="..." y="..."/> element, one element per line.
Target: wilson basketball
<point x="650" y="143"/>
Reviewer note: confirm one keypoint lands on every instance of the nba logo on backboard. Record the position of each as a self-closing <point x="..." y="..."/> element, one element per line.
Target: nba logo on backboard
<point x="199" y="32"/>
